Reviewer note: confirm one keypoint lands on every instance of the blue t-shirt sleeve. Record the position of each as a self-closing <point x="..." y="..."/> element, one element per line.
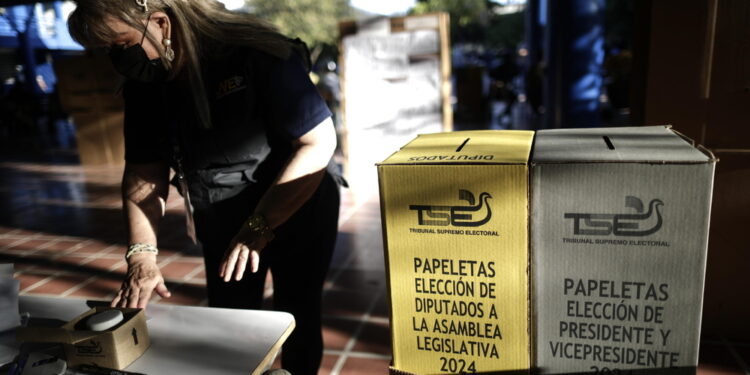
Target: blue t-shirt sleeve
<point x="290" y="100"/>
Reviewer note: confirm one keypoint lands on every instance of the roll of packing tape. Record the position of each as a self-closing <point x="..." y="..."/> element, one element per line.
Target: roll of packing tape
<point x="104" y="320"/>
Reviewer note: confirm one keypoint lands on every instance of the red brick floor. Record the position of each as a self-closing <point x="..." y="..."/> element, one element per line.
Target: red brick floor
<point x="61" y="225"/>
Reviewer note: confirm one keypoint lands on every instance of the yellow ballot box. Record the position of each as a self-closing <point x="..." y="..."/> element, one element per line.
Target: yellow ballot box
<point x="455" y="221"/>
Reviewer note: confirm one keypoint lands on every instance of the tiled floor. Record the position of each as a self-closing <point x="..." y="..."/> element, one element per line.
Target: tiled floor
<point x="61" y="225"/>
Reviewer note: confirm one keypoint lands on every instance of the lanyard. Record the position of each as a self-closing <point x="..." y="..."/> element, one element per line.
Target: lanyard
<point x="174" y="138"/>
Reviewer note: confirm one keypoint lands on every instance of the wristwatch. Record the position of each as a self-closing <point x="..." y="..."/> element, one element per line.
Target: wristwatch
<point x="257" y="223"/>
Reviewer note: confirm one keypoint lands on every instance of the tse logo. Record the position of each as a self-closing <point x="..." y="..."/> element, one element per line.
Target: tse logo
<point x="457" y="216"/>
<point x="625" y="224"/>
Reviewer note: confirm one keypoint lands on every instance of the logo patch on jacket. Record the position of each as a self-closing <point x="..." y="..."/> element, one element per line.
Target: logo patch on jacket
<point x="230" y="85"/>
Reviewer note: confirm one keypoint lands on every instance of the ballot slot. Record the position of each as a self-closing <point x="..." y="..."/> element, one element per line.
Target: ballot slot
<point x="461" y="147"/>
<point x="608" y="142"/>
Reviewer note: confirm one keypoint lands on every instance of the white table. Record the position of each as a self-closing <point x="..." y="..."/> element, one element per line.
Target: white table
<point x="191" y="340"/>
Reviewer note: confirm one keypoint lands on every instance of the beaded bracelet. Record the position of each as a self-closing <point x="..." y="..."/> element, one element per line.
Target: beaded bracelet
<point x="138" y="248"/>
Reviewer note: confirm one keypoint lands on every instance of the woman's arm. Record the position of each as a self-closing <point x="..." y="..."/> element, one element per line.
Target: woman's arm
<point x="144" y="195"/>
<point x="294" y="185"/>
<point x="301" y="175"/>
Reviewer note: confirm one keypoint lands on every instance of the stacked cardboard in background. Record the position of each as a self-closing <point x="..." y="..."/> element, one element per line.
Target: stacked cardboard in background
<point x="395" y="84"/>
<point x="87" y="85"/>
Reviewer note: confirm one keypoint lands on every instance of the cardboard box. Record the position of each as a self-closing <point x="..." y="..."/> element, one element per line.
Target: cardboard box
<point x="454" y="210"/>
<point x="619" y="232"/>
<point x="9" y="288"/>
<point x="88" y="82"/>
<point x="115" y="348"/>
<point x="89" y="91"/>
<point x="100" y="139"/>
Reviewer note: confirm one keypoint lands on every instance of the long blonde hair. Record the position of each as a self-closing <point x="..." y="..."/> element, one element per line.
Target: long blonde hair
<point x="197" y="25"/>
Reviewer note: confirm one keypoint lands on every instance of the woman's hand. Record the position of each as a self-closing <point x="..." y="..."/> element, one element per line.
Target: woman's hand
<point x="294" y="185"/>
<point x="143" y="278"/>
<point x="245" y="246"/>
